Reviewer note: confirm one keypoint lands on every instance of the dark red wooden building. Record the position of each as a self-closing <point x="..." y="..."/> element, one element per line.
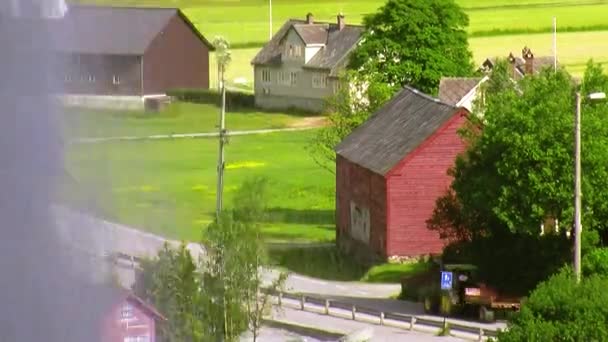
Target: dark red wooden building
<point x="130" y="51"/>
<point x="129" y="319"/>
<point x="389" y="173"/>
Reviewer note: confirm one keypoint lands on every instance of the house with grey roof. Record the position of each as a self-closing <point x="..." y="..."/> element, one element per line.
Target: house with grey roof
<point x="519" y="67"/>
<point x="129" y="51"/>
<point x="460" y="91"/>
<point x="300" y="66"/>
<point x="389" y="173"/>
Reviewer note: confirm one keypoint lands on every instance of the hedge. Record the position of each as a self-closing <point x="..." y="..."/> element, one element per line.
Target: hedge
<point x="234" y="99"/>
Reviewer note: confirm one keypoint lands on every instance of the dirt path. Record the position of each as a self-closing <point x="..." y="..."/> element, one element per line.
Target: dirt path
<point x="310" y="122"/>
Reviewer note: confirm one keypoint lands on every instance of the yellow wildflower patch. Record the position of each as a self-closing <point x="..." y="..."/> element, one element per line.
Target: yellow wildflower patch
<point x="200" y="187"/>
<point x="244" y="165"/>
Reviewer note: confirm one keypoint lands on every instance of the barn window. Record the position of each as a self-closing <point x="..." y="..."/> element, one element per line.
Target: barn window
<point x="115" y="79"/>
<point x="141" y="338"/>
<point x="359" y="222"/>
<point x="126" y="311"/>
<point x="91" y="78"/>
<point x="68" y="78"/>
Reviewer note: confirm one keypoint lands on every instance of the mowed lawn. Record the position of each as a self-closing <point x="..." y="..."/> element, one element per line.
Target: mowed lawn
<point x="169" y="187"/>
<point x="179" y="117"/>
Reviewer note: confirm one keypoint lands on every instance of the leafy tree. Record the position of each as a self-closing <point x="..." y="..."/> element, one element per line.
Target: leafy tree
<point x="562" y="310"/>
<point x="349" y="107"/>
<point x="171" y="283"/>
<point x="415" y="42"/>
<point x="518" y="173"/>
<point x="518" y="169"/>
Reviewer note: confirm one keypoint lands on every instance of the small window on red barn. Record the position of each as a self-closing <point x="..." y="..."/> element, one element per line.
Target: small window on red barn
<point x="116" y="79"/>
<point x="126" y="311"/>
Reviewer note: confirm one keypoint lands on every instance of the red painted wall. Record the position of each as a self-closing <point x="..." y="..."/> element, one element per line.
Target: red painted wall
<point x="117" y="328"/>
<point x="176" y="58"/>
<point x="413" y="187"/>
<point x="367" y="189"/>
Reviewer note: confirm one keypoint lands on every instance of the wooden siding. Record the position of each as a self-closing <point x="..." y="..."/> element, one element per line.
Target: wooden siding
<point x="414" y="185"/>
<point x="116" y="328"/>
<point x="176" y="58"/>
<point x="367" y="189"/>
<point x="95" y="74"/>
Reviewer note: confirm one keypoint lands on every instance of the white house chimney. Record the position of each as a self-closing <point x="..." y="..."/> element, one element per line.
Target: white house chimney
<point x="310" y="19"/>
<point x="341" y="22"/>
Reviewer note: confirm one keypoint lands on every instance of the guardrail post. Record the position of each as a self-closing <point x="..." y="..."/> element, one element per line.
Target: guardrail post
<point x="302" y="301"/>
<point x="412" y="322"/>
<point x="327" y="306"/>
<point x="354" y="311"/>
<point x="280" y="298"/>
<point x="381" y="318"/>
<point x="480" y="335"/>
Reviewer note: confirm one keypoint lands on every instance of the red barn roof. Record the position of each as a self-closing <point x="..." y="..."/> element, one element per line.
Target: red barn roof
<point x="395" y="130"/>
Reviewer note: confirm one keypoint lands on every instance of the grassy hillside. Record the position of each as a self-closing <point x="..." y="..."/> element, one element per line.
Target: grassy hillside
<point x="168" y="187"/>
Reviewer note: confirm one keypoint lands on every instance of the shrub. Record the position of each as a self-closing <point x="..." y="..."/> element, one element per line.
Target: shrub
<point x="559" y="309"/>
<point x="234" y="99"/>
<point x="596" y="262"/>
<point x="251" y="200"/>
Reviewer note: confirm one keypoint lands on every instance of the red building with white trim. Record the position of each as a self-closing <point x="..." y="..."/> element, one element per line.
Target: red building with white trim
<point x="389" y="173"/>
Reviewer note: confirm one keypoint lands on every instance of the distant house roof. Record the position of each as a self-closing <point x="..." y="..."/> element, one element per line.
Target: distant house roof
<point x="395" y="130"/>
<point x="453" y="89"/>
<point x="337" y="44"/>
<point x="115" y="30"/>
<point x="519" y="63"/>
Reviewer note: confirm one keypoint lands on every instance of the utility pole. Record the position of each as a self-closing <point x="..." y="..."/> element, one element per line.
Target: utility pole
<point x="577" y="189"/>
<point x="270" y="19"/>
<point x="555" y="43"/>
<point x="223" y="59"/>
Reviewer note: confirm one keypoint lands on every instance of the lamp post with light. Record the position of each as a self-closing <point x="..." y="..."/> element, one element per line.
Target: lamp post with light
<point x="577" y="180"/>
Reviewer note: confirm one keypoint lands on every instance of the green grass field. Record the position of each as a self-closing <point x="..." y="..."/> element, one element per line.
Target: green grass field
<point x="168" y="187"/>
<point x="179" y="117"/>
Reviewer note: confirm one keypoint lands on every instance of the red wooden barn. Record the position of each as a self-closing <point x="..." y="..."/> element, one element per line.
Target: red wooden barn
<point x="129" y="319"/>
<point x="389" y="173"/>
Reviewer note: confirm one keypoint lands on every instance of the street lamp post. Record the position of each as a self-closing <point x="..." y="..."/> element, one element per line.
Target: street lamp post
<point x="577" y="181"/>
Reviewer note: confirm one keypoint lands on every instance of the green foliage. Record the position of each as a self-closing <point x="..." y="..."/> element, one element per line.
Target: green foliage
<point x="251" y="200"/>
<point x="352" y="105"/>
<point x="170" y="282"/>
<point x="562" y="310"/>
<point x="596" y="262"/>
<point x="518" y="169"/>
<point x="415" y="42"/>
<point x="234" y="99"/>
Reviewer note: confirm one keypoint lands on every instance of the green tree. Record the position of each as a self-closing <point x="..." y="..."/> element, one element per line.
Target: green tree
<point x="171" y="283"/>
<point x="518" y="173"/>
<point x="349" y="107"/>
<point x="559" y="309"/>
<point x="415" y="42"/>
<point x="518" y="169"/>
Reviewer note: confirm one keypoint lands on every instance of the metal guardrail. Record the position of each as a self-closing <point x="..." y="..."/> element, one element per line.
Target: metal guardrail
<point x="409" y="320"/>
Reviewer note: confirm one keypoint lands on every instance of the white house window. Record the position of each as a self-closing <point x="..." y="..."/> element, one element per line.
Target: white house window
<point x="68" y="78"/>
<point x="91" y="78"/>
<point x="115" y="79"/>
<point x="283" y="78"/>
<point x="266" y="76"/>
<point x="293" y="78"/>
<point x="294" y="50"/>
<point x="319" y="80"/>
<point x="126" y="311"/>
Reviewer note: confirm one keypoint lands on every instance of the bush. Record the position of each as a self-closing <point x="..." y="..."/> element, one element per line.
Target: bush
<point x="251" y="200"/>
<point x="512" y="263"/>
<point x="234" y="99"/>
<point x="562" y="310"/>
<point x="596" y="262"/>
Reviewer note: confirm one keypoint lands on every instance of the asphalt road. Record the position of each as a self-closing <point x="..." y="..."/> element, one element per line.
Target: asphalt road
<point x="98" y="238"/>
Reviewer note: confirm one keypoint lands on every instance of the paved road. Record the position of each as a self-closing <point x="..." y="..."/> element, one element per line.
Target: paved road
<point x="184" y="135"/>
<point x="100" y="237"/>
<point x="345" y="326"/>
